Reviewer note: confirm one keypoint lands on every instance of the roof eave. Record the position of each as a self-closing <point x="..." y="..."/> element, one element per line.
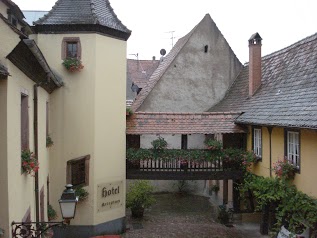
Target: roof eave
<point x="275" y="125"/>
<point x="29" y="59"/>
<point x="81" y="28"/>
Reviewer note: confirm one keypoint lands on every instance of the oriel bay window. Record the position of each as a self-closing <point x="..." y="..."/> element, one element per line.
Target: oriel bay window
<point x="292" y="147"/>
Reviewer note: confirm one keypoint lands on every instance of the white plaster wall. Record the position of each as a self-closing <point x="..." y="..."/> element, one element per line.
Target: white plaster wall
<point x="196" y="141"/>
<point x="173" y="141"/>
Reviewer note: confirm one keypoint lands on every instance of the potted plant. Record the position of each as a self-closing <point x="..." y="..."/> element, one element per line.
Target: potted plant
<point x="49" y="141"/>
<point x="139" y="197"/>
<point x="30" y="164"/>
<point x="213" y="144"/>
<point x="51" y="213"/>
<point x="73" y="64"/>
<point x="81" y="193"/>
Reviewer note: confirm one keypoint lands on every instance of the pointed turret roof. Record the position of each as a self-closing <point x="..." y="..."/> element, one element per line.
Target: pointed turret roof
<point x="82" y="16"/>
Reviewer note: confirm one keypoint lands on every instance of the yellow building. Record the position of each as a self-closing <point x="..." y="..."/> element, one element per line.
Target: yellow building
<point x="277" y="97"/>
<point x="65" y="82"/>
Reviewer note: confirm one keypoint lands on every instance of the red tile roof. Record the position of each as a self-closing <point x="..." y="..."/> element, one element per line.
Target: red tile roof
<point x="139" y="71"/>
<point x="183" y="123"/>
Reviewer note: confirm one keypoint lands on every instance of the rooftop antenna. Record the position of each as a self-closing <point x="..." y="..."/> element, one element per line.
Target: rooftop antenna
<point x="172" y="36"/>
<point x="136" y="55"/>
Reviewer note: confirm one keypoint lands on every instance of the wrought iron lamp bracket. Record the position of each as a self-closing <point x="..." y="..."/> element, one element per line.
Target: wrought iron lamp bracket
<point x="33" y="229"/>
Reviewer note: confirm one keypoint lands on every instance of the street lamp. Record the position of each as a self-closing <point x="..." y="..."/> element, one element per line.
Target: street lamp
<point x="67" y="204"/>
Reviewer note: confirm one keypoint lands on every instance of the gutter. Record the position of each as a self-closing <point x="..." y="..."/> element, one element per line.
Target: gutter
<point x="35" y="131"/>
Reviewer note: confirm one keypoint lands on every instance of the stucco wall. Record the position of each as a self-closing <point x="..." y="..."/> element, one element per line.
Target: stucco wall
<point x="110" y="119"/>
<point x="4" y="208"/>
<point x="88" y="118"/>
<point x="22" y="185"/>
<point x="196" y="80"/>
<point x="304" y="181"/>
<point x="194" y="141"/>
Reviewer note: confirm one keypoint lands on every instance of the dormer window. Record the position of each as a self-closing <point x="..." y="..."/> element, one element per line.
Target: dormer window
<point x="71" y="48"/>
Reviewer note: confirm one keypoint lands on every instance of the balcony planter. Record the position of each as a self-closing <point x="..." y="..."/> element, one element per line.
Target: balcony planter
<point x="73" y="64"/>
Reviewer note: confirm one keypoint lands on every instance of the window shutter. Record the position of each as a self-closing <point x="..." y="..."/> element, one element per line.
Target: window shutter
<point x="24" y="122"/>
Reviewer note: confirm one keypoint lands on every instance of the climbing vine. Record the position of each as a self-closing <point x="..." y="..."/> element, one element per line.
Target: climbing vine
<point x="294" y="209"/>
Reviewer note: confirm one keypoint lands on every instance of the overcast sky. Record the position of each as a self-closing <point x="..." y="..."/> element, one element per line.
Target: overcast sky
<point x="279" y="22"/>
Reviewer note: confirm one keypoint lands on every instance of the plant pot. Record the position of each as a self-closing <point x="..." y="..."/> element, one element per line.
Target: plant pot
<point x="137" y="212"/>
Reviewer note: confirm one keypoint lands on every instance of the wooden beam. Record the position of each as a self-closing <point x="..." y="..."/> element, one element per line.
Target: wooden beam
<point x="182" y="175"/>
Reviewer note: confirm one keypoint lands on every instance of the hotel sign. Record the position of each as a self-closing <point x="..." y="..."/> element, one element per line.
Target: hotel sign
<point x="110" y="196"/>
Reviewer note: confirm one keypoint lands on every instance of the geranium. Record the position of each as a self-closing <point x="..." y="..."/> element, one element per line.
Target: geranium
<point x="73" y="64"/>
<point x="30" y="164"/>
<point x="283" y="169"/>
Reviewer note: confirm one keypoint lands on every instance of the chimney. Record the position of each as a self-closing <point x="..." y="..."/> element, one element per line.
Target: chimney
<point x="255" y="68"/>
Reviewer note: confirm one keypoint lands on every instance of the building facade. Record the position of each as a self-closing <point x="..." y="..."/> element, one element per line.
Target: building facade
<point x="61" y="81"/>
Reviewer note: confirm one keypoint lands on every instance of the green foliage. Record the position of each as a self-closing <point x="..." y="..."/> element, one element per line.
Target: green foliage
<point x="73" y="64"/>
<point x="213" y="144"/>
<point x="49" y="141"/>
<point x="284" y="170"/>
<point x="81" y="193"/>
<point x="30" y="164"/>
<point x="140" y="195"/>
<point x="233" y="159"/>
<point x="51" y="213"/>
<point x="159" y="144"/>
<point x="294" y="209"/>
<point x="215" y="188"/>
<point x="129" y="111"/>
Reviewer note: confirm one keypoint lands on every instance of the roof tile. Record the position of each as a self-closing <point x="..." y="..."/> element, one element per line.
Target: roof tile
<point x="182" y="123"/>
<point x="287" y="96"/>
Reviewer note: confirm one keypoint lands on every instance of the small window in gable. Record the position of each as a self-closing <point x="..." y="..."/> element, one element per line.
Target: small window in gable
<point x="78" y="171"/>
<point x="71" y="48"/>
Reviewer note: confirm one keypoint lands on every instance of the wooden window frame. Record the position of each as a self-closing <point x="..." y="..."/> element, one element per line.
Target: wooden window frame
<point x="67" y="40"/>
<point x="297" y="163"/>
<point x="70" y="163"/>
<point x="257" y="151"/>
<point x="25" y="143"/>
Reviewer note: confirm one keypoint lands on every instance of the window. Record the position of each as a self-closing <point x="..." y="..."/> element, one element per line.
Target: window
<point x="78" y="171"/>
<point x="257" y="142"/>
<point x="24" y="122"/>
<point x="71" y="48"/>
<point x="293" y="148"/>
<point x="12" y="19"/>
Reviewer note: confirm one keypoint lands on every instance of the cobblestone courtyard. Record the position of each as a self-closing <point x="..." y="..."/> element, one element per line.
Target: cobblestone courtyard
<point x="176" y="215"/>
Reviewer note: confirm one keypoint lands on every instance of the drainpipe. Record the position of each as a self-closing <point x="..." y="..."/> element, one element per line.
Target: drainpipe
<point x="270" y="133"/>
<point x="35" y="127"/>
